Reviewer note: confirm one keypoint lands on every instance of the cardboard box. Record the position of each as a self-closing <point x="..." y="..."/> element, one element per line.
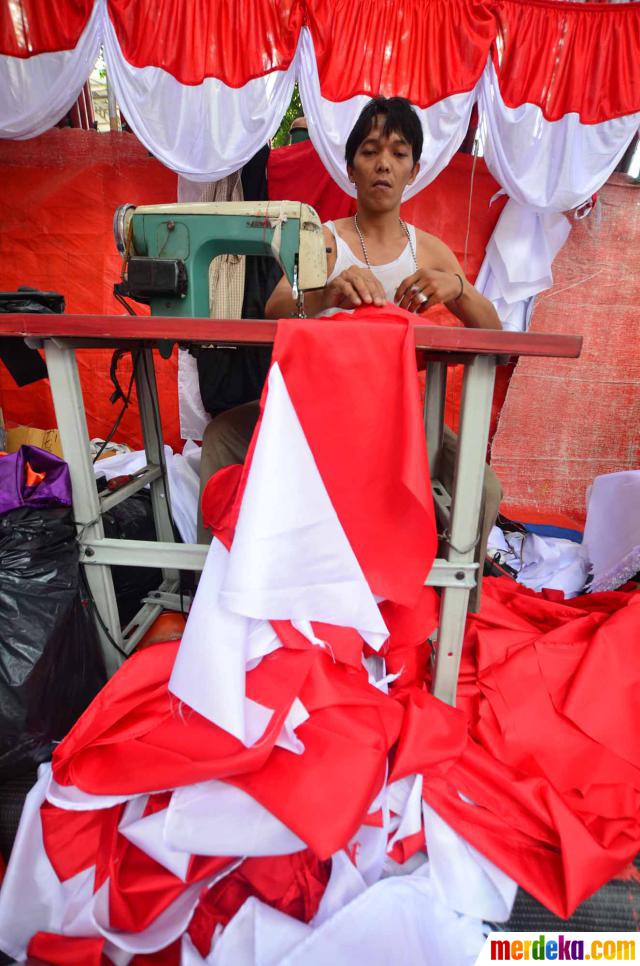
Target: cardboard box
<point x="48" y="439"/>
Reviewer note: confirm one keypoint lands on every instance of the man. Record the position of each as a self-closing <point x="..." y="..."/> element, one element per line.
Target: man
<point x="382" y="155"/>
<point x="373" y="258"/>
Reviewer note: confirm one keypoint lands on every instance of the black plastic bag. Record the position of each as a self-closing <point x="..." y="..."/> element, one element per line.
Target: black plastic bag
<point x="132" y="520"/>
<point x="51" y="665"/>
<point x="26" y="365"/>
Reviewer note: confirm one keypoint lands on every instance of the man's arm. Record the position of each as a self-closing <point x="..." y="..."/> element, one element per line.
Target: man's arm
<point x="445" y="283"/>
<point x="354" y="287"/>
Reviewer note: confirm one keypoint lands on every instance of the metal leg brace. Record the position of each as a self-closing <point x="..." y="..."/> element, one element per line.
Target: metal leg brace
<point x="475" y="417"/>
<point x="72" y="425"/>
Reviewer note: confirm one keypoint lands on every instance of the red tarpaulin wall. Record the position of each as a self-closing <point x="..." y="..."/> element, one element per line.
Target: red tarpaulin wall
<point x="58" y="193"/>
<point x="566" y="421"/>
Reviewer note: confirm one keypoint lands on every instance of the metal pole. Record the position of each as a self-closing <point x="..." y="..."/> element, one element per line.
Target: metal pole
<point x="475" y="417"/>
<point x="113" y="107"/>
<point x="74" y="436"/>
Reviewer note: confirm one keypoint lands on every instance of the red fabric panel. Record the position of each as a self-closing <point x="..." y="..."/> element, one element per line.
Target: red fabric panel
<point x="232" y="41"/>
<point x="141" y="889"/>
<point x="29" y="27"/>
<point x="56" y="950"/>
<point x="58" y="193"/>
<point x="381" y="444"/>
<point x="135" y="738"/>
<point x="422" y="51"/>
<point x="169" y="956"/>
<point x="570" y="57"/>
<point x="329" y="788"/>
<point x="114" y="745"/>
<point x="71" y="839"/>
<point x="554" y="776"/>
<point x="293" y="884"/>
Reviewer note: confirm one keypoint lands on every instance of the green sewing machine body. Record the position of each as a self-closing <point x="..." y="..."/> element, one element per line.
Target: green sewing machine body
<point x="167" y="249"/>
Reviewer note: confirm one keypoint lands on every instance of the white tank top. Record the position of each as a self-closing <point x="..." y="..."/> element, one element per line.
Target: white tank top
<point x="389" y="275"/>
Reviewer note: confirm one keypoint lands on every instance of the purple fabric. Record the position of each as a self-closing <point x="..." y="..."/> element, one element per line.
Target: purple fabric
<point x="53" y="490"/>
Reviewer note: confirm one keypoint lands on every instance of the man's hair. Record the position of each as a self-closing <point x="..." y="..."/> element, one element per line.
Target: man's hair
<point x="400" y="118"/>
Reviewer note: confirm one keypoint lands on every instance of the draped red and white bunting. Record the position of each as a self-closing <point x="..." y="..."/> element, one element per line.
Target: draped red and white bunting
<point x="45" y="58"/>
<point x="204" y="86"/>
<point x="413" y="52"/>
<point x="559" y="102"/>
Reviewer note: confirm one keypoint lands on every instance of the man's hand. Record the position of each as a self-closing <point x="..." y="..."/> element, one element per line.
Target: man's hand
<point x="427" y="287"/>
<point x="353" y="287"/>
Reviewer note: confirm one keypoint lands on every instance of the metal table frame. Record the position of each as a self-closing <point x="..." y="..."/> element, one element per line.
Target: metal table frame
<point x="455" y="572"/>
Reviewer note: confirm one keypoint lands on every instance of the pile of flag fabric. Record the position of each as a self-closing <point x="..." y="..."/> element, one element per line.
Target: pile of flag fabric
<point x="280" y="786"/>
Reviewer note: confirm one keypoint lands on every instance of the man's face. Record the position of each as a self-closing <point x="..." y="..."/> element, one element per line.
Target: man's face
<point x="382" y="168"/>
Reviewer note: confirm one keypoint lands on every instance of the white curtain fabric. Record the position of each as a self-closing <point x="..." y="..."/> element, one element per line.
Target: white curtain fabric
<point x="546" y="168"/>
<point x="444" y="124"/>
<point x="518" y="261"/>
<point x="206" y="131"/>
<point x="36" y="92"/>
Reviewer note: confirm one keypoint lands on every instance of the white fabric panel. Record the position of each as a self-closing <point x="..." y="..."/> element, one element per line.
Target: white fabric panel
<point x="193" y="416"/>
<point x="517" y="265"/>
<point x="75" y="800"/>
<point x="203" y="132"/>
<point x="209" y="670"/>
<point x="543" y="562"/>
<point x="147" y="833"/>
<point x="612" y="529"/>
<point x="32" y="898"/>
<point x="184" y="481"/>
<point x="405" y="800"/>
<point x="444" y="124"/>
<point x="397" y="917"/>
<point x="184" y="490"/>
<point x="275" y="571"/>
<point x="345" y="883"/>
<point x="36" y="92"/>
<point x="213" y="818"/>
<point x="257" y="936"/>
<point x="464" y="879"/>
<point x="369" y="850"/>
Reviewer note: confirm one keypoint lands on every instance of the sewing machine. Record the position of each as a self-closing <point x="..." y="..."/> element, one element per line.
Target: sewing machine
<point x="167" y="249"/>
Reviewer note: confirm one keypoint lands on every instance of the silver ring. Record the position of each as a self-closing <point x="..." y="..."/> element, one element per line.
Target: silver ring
<point x="422" y="297"/>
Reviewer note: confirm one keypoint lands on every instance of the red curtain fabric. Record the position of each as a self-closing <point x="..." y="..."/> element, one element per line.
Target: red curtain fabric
<point x="569" y="57"/>
<point x="231" y="41"/>
<point x="29" y="27"/>
<point x="422" y="51"/>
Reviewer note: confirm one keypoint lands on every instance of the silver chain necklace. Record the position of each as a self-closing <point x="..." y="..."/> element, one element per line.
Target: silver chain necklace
<point x="364" y="247"/>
